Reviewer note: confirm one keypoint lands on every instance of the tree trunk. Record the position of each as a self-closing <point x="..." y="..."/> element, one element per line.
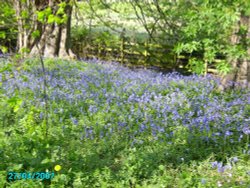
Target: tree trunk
<point x="241" y="66"/>
<point x="247" y="60"/>
<point x="18" y="9"/>
<point x="54" y="39"/>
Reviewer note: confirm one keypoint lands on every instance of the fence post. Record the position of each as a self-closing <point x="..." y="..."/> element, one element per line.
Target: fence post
<point x="122" y="45"/>
<point x="206" y="68"/>
<point x="146" y="51"/>
<point x="99" y="50"/>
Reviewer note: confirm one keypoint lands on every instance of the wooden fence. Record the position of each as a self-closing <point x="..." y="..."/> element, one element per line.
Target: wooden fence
<point x="134" y="54"/>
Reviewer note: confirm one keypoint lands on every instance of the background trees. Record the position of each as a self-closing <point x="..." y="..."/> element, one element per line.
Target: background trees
<point x="211" y="33"/>
<point x="204" y="31"/>
<point x="44" y="27"/>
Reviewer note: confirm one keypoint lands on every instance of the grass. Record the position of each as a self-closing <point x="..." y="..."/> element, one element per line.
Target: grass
<point x="109" y="126"/>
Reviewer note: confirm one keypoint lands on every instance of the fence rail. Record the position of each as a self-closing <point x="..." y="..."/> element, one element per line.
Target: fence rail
<point x="135" y="54"/>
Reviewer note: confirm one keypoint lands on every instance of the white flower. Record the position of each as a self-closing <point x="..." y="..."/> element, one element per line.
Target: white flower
<point x="219" y="184"/>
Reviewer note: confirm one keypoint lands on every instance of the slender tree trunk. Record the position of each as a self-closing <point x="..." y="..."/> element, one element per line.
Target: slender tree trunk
<point x="247" y="60"/>
<point x="241" y="66"/>
<point x="244" y="63"/>
<point x="248" y="65"/>
<point x="18" y="9"/>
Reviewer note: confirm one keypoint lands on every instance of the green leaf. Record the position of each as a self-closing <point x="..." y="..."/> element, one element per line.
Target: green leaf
<point x="62" y="20"/>
<point x="40" y="16"/>
<point x="45" y="161"/>
<point x="4" y="49"/>
<point x="161" y="167"/>
<point x="192" y="46"/>
<point x="35" y="34"/>
<point x="60" y="11"/>
<point x="17" y="167"/>
<point x="223" y="67"/>
<point x="179" y="48"/>
<point x="51" y="19"/>
<point x="47" y="11"/>
<point x="196" y="66"/>
<point x="2" y="35"/>
<point x="25" y="14"/>
<point x="58" y="20"/>
<point x="65" y="18"/>
<point x="62" y="4"/>
<point x="15" y="103"/>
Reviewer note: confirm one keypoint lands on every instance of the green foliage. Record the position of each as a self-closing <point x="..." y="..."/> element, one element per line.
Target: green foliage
<point x="196" y="66"/>
<point x="8" y="27"/>
<point x="205" y="34"/>
<point x="14" y="103"/>
<point x="223" y="67"/>
<point x="36" y="34"/>
<point x="79" y="33"/>
<point x="44" y="14"/>
<point x="2" y="35"/>
<point x="47" y="15"/>
<point x="199" y="29"/>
